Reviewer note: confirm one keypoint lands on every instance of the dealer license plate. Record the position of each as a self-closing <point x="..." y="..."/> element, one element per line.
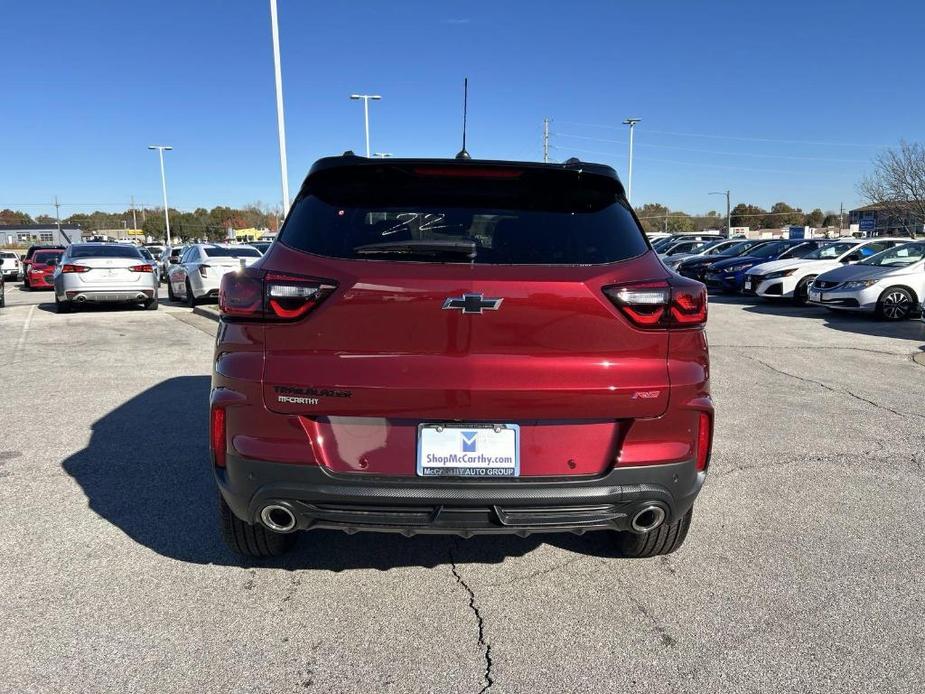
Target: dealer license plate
<point x="748" y="285"/>
<point x="815" y="296"/>
<point x="468" y="450"/>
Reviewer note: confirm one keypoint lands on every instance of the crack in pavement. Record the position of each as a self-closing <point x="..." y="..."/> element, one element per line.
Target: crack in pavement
<point x="665" y="639"/>
<point x="484" y="645"/>
<point x="813" y="348"/>
<point x="840" y="391"/>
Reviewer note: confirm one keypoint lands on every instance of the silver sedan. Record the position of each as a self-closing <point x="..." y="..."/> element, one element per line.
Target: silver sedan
<point x="104" y="273"/>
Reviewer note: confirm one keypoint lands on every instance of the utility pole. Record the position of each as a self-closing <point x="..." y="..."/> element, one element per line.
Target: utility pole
<point x="280" y="118"/>
<point x="134" y="219"/>
<point x="629" y="168"/>
<point x="58" y="215"/>
<point x="366" y="98"/>
<point x="545" y="140"/>
<point x="841" y="215"/>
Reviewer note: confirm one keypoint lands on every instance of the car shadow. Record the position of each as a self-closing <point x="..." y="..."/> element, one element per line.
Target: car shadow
<point x="159" y="491"/>
<point x="861" y="324"/>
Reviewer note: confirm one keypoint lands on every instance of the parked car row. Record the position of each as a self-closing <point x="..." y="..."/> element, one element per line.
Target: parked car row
<point x="885" y="276"/>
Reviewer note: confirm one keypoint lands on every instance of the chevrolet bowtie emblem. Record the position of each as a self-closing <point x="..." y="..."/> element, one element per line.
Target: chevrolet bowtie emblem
<point x="472" y="303"/>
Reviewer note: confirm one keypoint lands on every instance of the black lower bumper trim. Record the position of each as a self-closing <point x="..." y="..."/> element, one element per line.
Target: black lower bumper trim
<point x="414" y="505"/>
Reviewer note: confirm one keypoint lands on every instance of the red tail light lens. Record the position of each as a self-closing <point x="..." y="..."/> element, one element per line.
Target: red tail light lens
<point x="257" y="295"/>
<point x="74" y="268"/>
<point x="704" y="441"/>
<point x="142" y="268"/>
<point x="217" y="438"/>
<point x="662" y="305"/>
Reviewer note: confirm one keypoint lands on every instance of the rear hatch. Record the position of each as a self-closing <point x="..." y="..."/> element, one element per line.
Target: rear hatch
<point x="464" y="293"/>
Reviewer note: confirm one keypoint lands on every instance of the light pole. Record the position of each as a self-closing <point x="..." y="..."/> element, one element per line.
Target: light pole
<point x="728" y="213"/>
<point x="280" y="119"/>
<point x="366" y="98"/>
<point x="160" y="151"/>
<point x="629" y="168"/>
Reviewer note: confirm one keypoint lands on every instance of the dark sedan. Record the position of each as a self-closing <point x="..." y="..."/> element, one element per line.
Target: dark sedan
<point x="695" y="267"/>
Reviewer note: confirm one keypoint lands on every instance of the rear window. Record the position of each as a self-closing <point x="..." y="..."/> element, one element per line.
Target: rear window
<point x="43" y="256"/>
<point x="488" y="216"/>
<point x="242" y="252"/>
<point x="104" y="252"/>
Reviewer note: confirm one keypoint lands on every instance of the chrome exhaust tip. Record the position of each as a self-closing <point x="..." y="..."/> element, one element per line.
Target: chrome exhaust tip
<point x="278" y="518"/>
<point x="648" y="519"/>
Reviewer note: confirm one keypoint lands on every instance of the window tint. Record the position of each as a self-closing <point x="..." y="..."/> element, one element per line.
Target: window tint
<point x="114" y="251"/>
<point x="230" y="252"/>
<point x="518" y="216"/>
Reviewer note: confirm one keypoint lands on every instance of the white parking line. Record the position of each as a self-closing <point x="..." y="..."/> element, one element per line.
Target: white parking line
<point x="22" y="336"/>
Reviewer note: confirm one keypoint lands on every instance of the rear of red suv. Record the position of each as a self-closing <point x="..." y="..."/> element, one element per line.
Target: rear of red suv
<point x="464" y="347"/>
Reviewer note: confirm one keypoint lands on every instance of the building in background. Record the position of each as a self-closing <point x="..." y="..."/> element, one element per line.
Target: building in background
<point x="27" y="234"/>
<point x="882" y="219"/>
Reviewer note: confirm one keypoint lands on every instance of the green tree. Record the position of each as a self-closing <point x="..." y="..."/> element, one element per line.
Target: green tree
<point x="14" y="217"/>
<point x="744" y="215"/>
<point x="652" y="215"/>
<point x="815" y="218"/>
<point x="783" y="215"/>
<point x="680" y="221"/>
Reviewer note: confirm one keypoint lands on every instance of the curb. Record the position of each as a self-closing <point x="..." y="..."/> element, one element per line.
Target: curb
<point x="209" y="312"/>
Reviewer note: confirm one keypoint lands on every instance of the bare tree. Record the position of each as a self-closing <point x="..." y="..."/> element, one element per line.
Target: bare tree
<point x="897" y="184"/>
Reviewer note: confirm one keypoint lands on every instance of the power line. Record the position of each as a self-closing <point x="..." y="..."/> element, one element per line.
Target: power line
<point x="690" y="163"/>
<point x="730" y="137"/>
<point x="711" y="151"/>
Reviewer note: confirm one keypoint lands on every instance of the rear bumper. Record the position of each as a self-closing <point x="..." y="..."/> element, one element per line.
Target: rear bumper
<point x="354" y="502"/>
<point x="106" y="294"/>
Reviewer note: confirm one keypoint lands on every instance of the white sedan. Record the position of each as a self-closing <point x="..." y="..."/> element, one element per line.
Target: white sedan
<point x="890" y="284"/>
<point x="198" y="272"/>
<point x="791" y="278"/>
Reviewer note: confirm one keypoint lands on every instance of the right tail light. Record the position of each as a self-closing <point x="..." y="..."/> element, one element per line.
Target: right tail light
<point x="675" y="304"/>
<point x="259" y="295"/>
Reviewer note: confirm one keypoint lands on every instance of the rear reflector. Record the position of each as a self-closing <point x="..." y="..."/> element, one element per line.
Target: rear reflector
<point x="257" y="295"/>
<point x="662" y="305"/>
<point x="704" y="441"/>
<point x="217" y="438"/>
<point x="74" y="268"/>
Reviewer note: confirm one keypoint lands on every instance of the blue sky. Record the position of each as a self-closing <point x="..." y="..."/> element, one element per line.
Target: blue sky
<point x="774" y="100"/>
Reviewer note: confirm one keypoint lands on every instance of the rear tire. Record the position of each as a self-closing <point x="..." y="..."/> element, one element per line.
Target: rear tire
<point x="251" y="540"/>
<point x="170" y="295"/>
<point x="151" y="304"/>
<point x="62" y="306"/>
<point x="191" y="299"/>
<point x="665" y="539"/>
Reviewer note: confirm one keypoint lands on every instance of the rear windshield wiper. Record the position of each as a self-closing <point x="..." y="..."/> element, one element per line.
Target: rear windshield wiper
<point x="465" y="247"/>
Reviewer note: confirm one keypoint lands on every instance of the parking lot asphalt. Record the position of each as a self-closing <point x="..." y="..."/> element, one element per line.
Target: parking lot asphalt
<point x="803" y="570"/>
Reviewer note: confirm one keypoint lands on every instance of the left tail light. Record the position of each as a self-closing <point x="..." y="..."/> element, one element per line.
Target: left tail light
<point x="217" y="436"/>
<point x="260" y="295"/>
<point x="74" y="268"/>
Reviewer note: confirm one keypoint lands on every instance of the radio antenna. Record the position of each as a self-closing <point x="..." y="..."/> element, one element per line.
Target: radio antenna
<point x="463" y="154"/>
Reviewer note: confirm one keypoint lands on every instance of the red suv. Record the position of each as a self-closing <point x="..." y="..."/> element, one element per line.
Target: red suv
<point x="460" y="346"/>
